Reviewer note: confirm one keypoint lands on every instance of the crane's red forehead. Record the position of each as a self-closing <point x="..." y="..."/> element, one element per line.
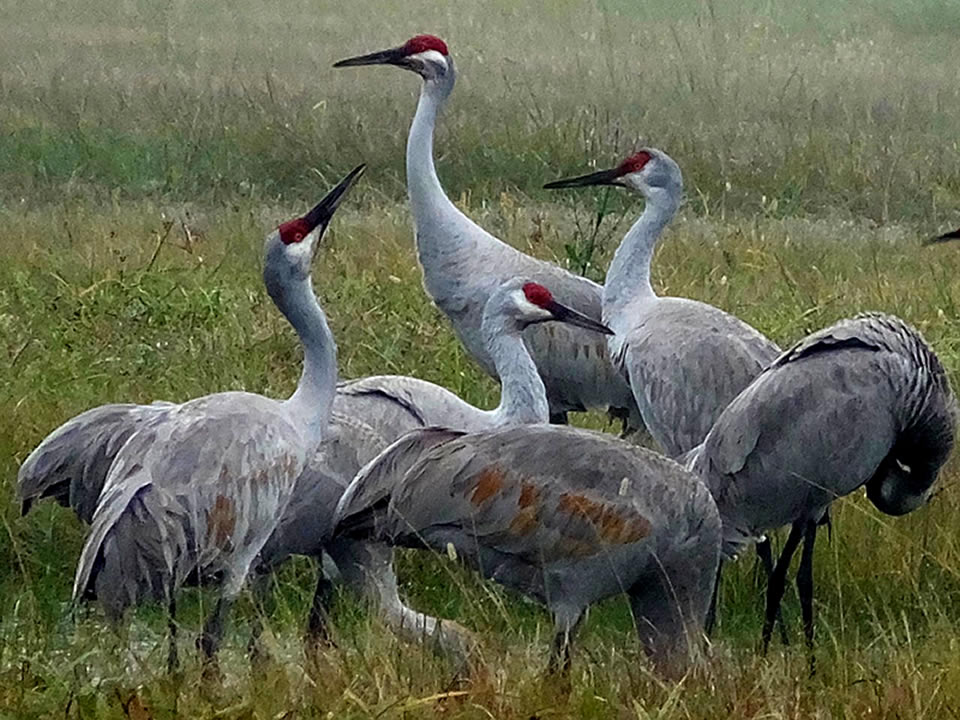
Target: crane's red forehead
<point x="422" y="43"/>
<point x="634" y="163"/>
<point x="537" y="294"/>
<point x="294" y="231"/>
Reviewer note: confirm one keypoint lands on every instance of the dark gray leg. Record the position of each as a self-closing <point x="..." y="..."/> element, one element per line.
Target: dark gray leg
<point x="173" y="659"/>
<point x="317" y="632"/>
<point x="765" y="553"/>
<point x="805" y="587"/>
<point x="558" y="669"/>
<point x="212" y="634"/>
<point x="711" y="619"/>
<point x="778" y="580"/>
<point x="263" y="605"/>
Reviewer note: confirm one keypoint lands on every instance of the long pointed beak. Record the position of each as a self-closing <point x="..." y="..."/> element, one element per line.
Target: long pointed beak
<point x="946" y="237"/>
<point x="393" y="56"/>
<point x="324" y="210"/>
<point x="603" y="177"/>
<point x="562" y="313"/>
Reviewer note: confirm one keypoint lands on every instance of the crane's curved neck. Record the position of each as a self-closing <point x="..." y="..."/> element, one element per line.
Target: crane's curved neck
<point x="312" y="401"/>
<point x="423" y="186"/>
<point x="628" y="278"/>
<point x="523" y="397"/>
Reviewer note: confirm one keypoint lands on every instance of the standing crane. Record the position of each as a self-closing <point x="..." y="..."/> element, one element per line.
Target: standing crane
<point x="775" y="456"/>
<point x="685" y="360"/>
<point x="197" y="488"/>
<point x="565" y="516"/>
<point x="463" y="264"/>
<point x="376" y="411"/>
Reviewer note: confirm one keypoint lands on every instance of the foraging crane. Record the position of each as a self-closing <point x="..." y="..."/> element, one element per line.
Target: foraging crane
<point x="376" y="411"/>
<point x="775" y="456"/>
<point x="564" y="516"/>
<point x="197" y="489"/>
<point x="463" y="264"/>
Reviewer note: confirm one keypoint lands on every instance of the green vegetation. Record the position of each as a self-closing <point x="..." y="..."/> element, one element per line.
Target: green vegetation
<point x="818" y="142"/>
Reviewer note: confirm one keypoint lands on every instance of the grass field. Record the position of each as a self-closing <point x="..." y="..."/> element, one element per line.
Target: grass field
<point x="818" y="142"/>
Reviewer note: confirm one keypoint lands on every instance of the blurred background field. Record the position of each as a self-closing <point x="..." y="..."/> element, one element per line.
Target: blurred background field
<point x="146" y="147"/>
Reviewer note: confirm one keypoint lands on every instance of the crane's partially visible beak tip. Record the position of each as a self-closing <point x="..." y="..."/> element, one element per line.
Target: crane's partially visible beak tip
<point x="393" y="56"/>
<point x="562" y="313"/>
<point x="603" y="177"/>
<point x="946" y="237"/>
<point x="324" y="210"/>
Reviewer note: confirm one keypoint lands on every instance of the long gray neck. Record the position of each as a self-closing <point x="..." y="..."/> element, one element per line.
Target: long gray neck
<point x="312" y="401"/>
<point x="628" y="278"/>
<point x="523" y="397"/>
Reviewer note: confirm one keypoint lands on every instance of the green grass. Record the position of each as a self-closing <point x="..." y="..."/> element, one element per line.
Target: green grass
<point x="818" y="142"/>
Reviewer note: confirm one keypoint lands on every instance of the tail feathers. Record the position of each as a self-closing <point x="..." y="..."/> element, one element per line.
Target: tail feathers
<point x="366" y="499"/>
<point x="72" y="462"/>
<point x="139" y="552"/>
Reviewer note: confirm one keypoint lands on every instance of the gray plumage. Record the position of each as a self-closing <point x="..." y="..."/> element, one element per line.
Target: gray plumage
<point x="197" y="488"/>
<point x="71" y="463"/>
<point x="685" y="360"/>
<point x="863" y="402"/>
<point x="463" y="264"/>
<point x="564" y="516"/>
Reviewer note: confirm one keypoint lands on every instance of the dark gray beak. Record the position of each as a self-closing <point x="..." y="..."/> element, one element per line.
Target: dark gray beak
<point x="604" y="177"/>
<point x="324" y="210"/>
<point x="393" y="56"/>
<point x="562" y="313"/>
<point x="946" y="237"/>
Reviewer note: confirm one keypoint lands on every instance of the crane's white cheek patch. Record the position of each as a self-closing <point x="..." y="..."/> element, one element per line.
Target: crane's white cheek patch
<point x="431" y="56"/>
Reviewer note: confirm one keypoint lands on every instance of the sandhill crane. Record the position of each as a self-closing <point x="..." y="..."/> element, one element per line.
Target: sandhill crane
<point x="565" y="516"/>
<point x="775" y="456"/>
<point x="198" y="488"/>
<point x="463" y="264"/>
<point x="685" y="360"/>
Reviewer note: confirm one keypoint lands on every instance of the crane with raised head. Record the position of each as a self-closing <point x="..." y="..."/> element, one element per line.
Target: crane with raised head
<point x="775" y="456"/>
<point x="565" y="516"/>
<point x="197" y="488"/>
<point x="463" y="264"/>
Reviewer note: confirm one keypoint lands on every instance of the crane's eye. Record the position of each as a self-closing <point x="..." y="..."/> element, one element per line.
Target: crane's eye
<point x="297" y="237"/>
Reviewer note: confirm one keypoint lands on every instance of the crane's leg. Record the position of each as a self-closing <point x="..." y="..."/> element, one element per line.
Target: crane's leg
<point x="711" y="618"/>
<point x="765" y="553"/>
<point x="263" y="606"/>
<point x="317" y="633"/>
<point x="173" y="659"/>
<point x="558" y="669"/>
<point x="211" y="635"/>
<point x="805" y="586"/>
<point x="778" y="580"/>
